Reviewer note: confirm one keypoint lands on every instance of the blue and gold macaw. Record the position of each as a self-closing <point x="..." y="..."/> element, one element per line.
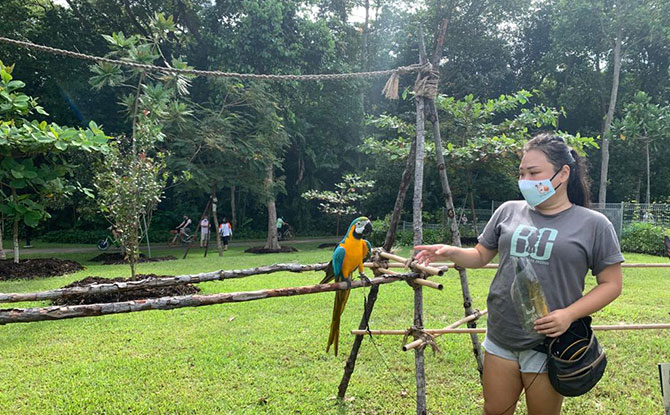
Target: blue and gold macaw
<point x="349" y="255"/>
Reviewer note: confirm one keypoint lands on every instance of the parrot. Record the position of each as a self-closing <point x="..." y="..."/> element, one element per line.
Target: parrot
<point x="348" y="256"/>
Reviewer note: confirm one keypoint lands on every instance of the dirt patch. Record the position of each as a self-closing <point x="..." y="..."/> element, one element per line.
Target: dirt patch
<point x="37" y="268"/>
<point x="261" y="250"/>
<point x="329" y="245"/>
<point x="155" y="292"/>
<point x="114" y="258"/>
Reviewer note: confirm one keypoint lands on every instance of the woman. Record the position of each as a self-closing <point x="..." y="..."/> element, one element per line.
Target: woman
<point x="555" y="234"/>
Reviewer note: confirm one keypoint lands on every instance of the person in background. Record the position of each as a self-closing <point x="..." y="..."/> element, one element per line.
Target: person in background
<point x="204" y="231"/>
<point x="226" y="231"/>
<point x="183" y="226"/>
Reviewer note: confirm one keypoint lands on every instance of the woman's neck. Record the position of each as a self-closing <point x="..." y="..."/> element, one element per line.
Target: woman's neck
<point x="552" y="207"/>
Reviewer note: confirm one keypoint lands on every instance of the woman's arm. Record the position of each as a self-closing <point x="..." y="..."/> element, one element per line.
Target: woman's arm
<point x="475" y="257"/>
<point x="609" y="287"/>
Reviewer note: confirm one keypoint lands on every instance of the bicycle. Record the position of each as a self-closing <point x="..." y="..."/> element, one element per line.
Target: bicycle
<point x="103" y="244"/>
<point x="177" y="237"/>
<point x="286" y="233"/>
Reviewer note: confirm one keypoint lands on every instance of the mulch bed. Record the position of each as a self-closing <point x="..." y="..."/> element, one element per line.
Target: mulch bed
<point x="328" y="245"/>
<point x="175" y="290"/>
<point x="114" y="258"/>
<point x="37" y="268"/>
<point x="261" y="250"/>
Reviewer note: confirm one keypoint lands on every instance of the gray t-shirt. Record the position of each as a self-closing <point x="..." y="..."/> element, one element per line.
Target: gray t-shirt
<point x="561" y="248"/>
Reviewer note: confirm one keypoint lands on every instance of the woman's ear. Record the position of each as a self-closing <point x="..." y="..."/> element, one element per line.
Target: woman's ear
<point x="565" y="173"/>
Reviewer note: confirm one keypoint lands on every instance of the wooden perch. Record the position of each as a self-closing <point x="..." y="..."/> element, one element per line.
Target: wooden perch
<point x="420" y="281"/>
<point x="405" y="262"/>
<point x="157" y="282"/>
<point x="25" y="315"/>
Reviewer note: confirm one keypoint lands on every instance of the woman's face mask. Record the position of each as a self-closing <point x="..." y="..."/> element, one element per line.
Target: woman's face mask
<point x="537" y="191"/>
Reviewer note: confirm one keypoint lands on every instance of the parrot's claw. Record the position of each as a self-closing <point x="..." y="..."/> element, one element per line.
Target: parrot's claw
<point x="366" y="279"/>
<point x="348" y="280"/>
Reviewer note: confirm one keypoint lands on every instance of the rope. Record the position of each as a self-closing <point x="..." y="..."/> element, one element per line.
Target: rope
<point x="197" y="72"/>
<point x="426" y="338"/>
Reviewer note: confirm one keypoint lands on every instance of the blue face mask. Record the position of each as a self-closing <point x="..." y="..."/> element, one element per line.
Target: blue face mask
<point x="537" y="191"/>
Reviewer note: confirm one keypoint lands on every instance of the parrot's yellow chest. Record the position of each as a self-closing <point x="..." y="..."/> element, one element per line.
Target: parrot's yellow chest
<point x="354" y="253"/>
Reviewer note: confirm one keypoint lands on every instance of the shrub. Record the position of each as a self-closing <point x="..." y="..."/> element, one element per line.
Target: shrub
<point x="73" y="236"/>
<point x="644" y="238"/>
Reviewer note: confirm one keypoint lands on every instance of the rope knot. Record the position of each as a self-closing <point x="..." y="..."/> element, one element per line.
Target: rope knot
<point x="426" y="338"/>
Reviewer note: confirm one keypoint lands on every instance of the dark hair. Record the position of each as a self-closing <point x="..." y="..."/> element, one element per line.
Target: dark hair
<point x="559" y="154"/>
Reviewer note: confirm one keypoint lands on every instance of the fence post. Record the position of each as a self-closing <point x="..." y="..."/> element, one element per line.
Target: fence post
<point x="664" y="372"/>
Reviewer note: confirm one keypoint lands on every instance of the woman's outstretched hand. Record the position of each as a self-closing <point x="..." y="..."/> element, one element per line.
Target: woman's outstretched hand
<point x="430" y="253"/>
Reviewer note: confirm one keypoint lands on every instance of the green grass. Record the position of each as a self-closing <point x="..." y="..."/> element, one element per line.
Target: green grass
<point x="268" y="356"/>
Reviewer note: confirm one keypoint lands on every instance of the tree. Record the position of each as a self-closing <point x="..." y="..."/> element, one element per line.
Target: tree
<point x="646" y="123"/>
<point x="131" y="179"/>
<point x="34" y="170"/>
<point x="343" y="201"/>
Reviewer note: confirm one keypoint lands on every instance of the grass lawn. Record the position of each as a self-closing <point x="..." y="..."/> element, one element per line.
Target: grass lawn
<point x="268" y="356"/>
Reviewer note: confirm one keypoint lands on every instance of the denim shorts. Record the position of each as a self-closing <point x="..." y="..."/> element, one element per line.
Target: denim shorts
<point x="530" y="361"/>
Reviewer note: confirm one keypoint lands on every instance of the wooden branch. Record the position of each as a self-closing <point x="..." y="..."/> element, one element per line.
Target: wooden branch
<point x="25" y="315"/>
<point x="157" y="282"/>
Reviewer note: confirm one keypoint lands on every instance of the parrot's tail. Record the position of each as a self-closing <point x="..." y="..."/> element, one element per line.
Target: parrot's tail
<point x="341" y="298"/>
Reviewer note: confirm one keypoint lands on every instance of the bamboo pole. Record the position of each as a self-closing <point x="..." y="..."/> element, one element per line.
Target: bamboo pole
<point x="419" y="281"/>
<point x="114" y="287"/>
<point x="436" y="332"/>
<point x="471" y="318"/>
<point x="25" y="315"/>
<point x="495" y="266"/>
<point x="405" y="262"/>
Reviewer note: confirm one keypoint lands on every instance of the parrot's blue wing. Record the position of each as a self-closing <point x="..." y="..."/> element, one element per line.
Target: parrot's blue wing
<point x="338" y="259"/>
<point x="368" y="254"/>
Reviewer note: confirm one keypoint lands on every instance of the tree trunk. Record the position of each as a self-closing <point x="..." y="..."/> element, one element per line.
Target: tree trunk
<point x="646" y="147"/>
<point x="602" y="192"/>
<point x="2" y="229"/>
<point x="219" y="245"/>
<point x="16" y="240"/>
<point x="233" y="215"/>
<point x="364" y="49"/>
<point x="272" y="241"/>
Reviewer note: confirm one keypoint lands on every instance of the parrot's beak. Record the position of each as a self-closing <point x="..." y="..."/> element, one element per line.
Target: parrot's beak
<point x="368" y="228"/>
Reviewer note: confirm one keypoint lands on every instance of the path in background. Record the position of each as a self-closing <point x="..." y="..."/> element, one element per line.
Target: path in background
<point x="253" y="242"/>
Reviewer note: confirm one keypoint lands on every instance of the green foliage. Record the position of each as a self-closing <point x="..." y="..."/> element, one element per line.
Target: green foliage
<point x="34" y="171"/>
<point x="345" y="200"/>
<point x="644" y="237"/>
<point x="72" y="236"/>
<point x="131" y="179"/>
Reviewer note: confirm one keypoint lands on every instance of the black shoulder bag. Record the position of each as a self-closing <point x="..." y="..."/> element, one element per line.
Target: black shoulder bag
<point x="575" y="362"/>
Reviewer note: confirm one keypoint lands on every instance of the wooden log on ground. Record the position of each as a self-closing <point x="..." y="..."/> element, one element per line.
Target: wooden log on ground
<point x="25" y="315"/>
<point x="158" y="282"/>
